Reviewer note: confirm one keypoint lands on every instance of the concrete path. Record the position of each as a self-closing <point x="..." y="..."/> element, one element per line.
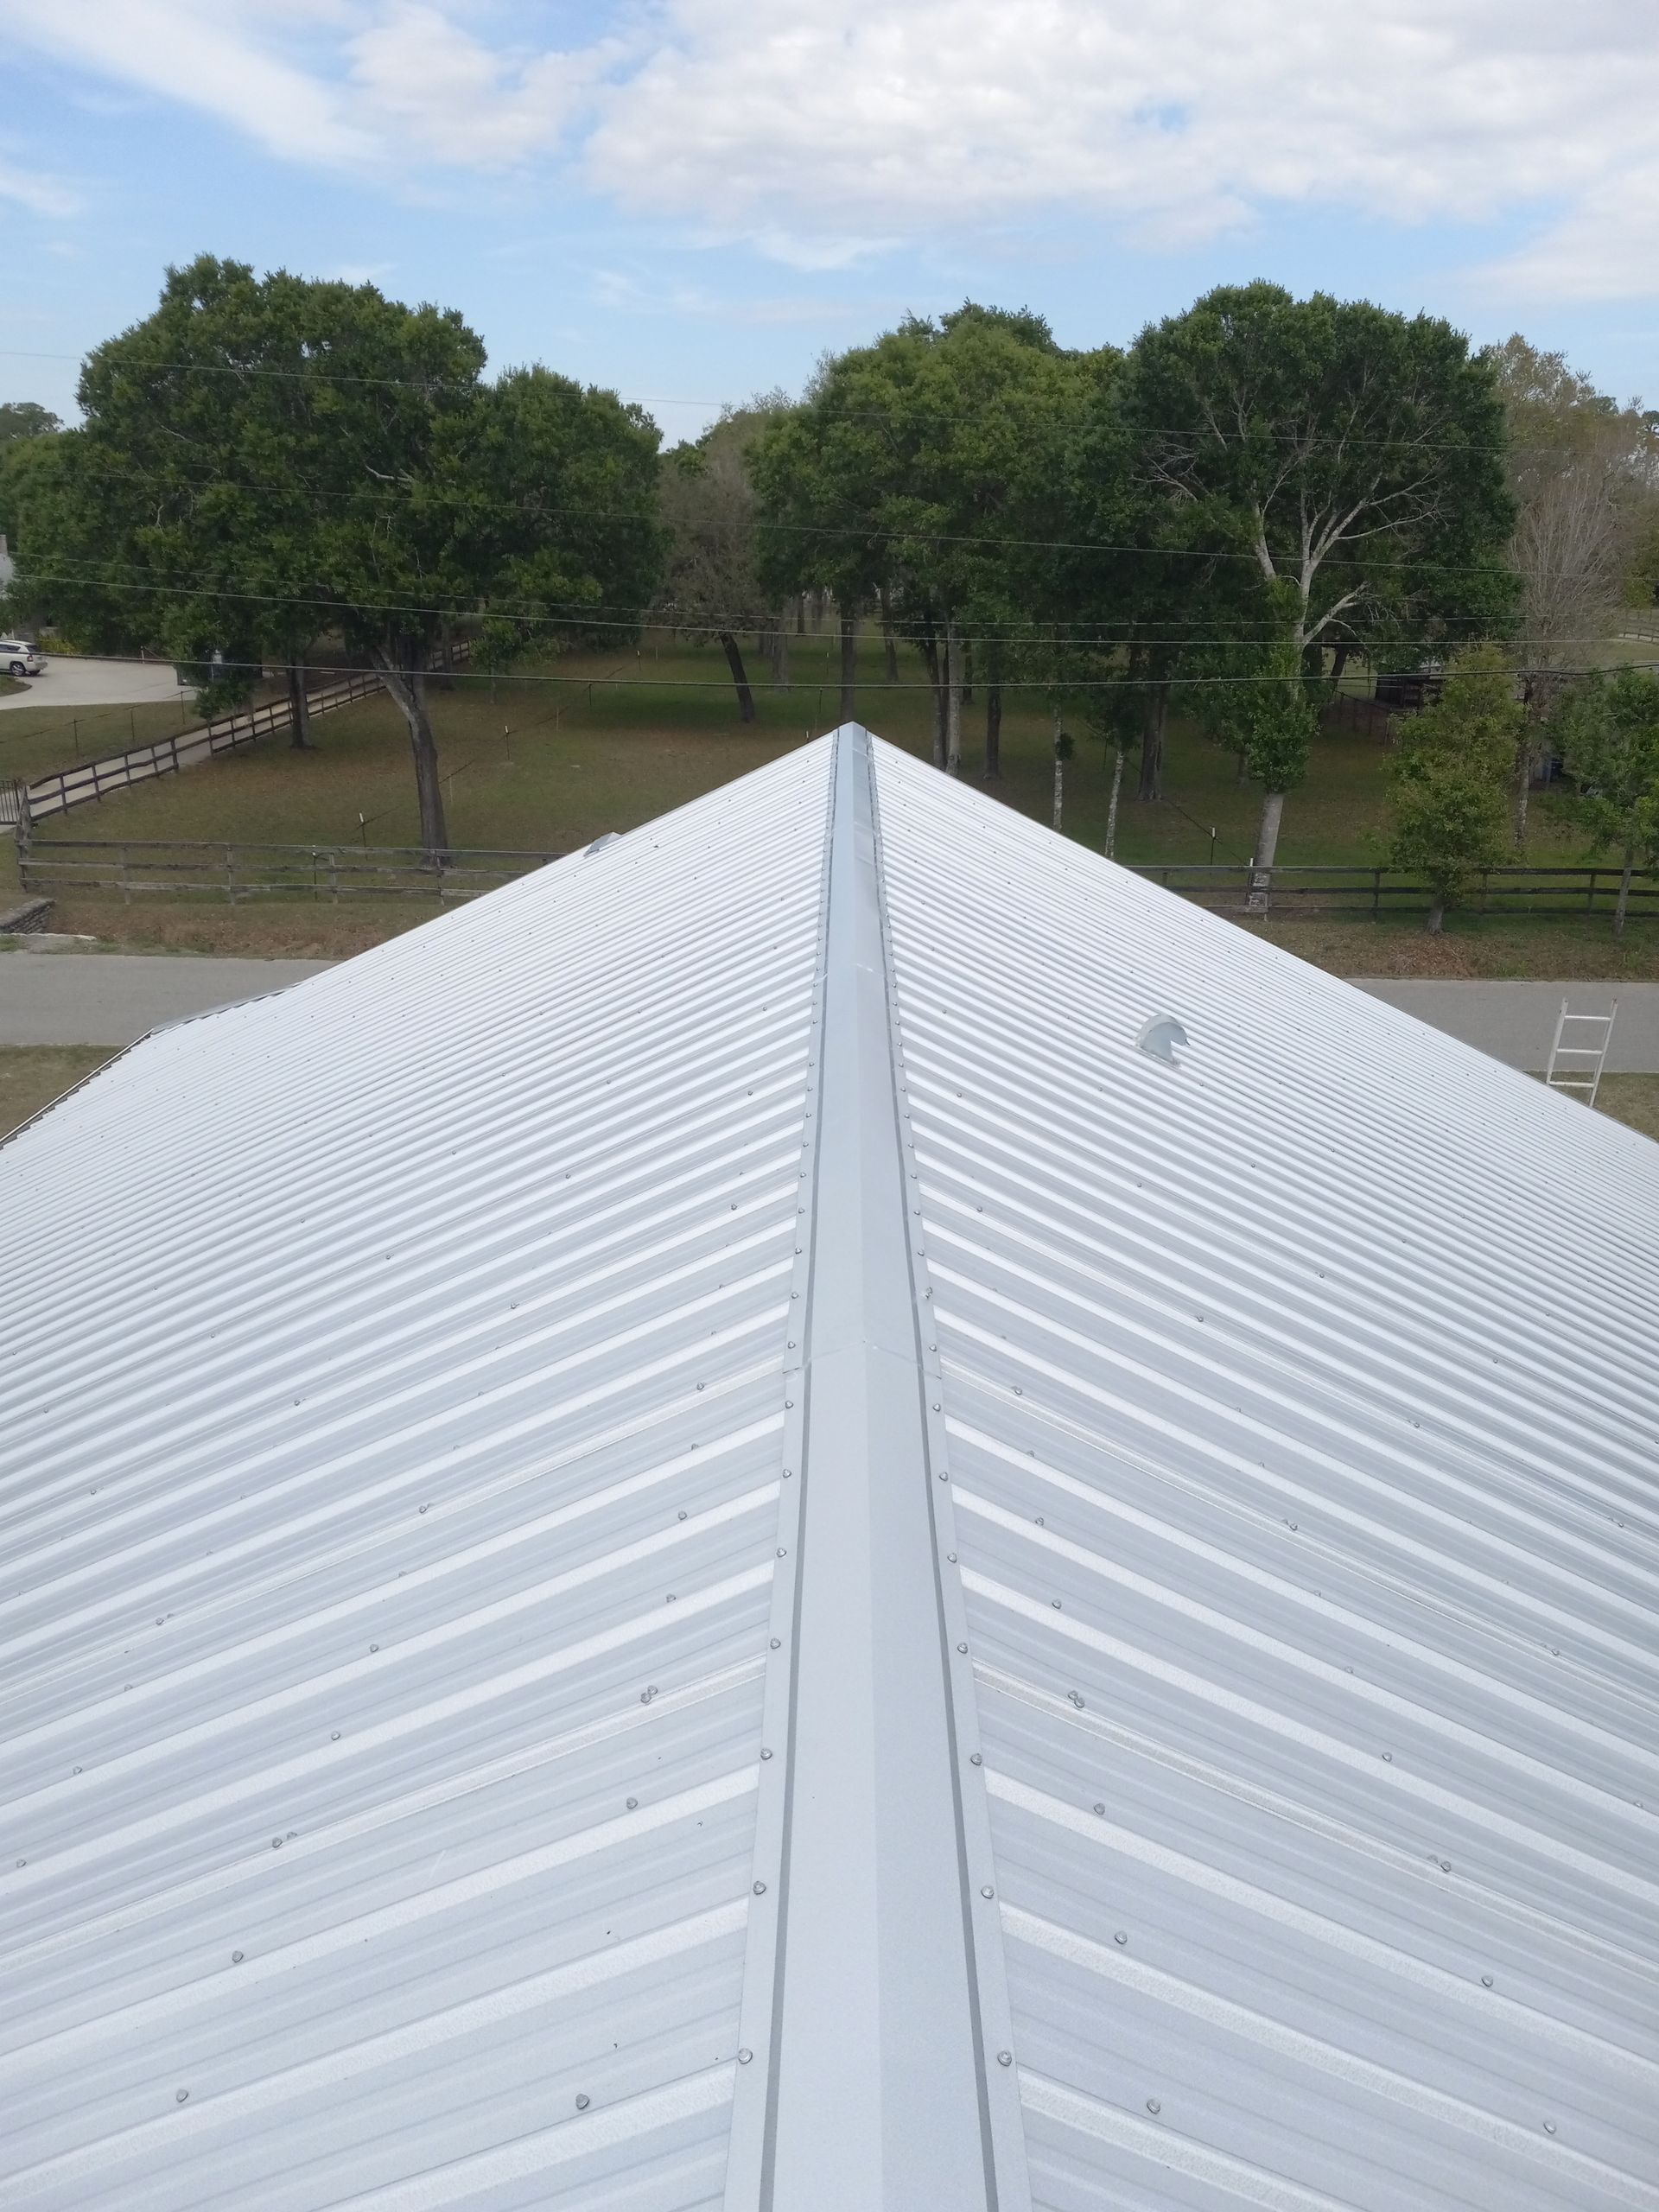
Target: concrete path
<point x="1516" y="1022"/>
<point x="110" y="998"/>
<point x="72" y="682"/>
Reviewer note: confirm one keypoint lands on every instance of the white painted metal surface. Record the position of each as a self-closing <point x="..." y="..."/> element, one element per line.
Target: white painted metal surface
<point x="1303" y="1410"/>
<point x="391" y="1422"/>
<point x="531" y="1679"/>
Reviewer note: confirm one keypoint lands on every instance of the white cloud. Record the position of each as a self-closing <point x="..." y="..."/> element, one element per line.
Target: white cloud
<point x="822" y="137"/>
<point x="37" y="193"/>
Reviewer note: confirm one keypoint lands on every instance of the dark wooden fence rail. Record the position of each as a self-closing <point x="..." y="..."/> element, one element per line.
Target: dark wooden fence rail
<point x="139" y="869"/>
<point x="67" y="787"/>
<point x="136" y="869"/>
<point x="1380" y="890"/>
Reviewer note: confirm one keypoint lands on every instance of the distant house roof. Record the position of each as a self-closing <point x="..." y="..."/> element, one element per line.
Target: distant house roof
<point x="699" y="1537"/>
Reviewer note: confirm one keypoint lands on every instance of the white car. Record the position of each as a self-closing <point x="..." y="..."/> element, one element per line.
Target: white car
<point x="19" y="658"/>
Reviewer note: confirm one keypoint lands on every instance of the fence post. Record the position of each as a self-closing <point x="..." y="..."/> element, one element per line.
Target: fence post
<point x="1377" y="893"/>
<point x="1590" y="894"/>
<point x="229" y="878"/>
<point x="126" y="880"/>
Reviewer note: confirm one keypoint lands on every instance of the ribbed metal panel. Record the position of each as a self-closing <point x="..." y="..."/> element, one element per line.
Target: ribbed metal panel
<point x="1303" y="1410"/>
<point x="392" y="1427"/>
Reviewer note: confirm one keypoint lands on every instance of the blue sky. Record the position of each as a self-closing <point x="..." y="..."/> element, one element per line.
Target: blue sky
<point x="689" y="200"/>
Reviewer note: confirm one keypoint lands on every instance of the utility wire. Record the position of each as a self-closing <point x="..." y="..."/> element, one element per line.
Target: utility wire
<point x="307" y="374"/>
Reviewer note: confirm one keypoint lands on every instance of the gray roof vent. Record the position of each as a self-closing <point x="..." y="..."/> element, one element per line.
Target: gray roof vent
<point x="600" y="843"/>
<point x="1160" y="1036"/>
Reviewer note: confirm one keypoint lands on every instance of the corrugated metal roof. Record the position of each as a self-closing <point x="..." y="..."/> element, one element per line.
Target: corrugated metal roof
<point x="1083" y="1639"/>
<point x="1303" y="1433"/>
<point x="391" y="1428"/>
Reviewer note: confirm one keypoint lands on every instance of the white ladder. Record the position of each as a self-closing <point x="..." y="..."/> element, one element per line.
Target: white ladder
<point x="1578" y="1067"/>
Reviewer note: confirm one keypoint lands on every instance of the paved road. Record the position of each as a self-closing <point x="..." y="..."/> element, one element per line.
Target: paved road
<point x="1516" y="1022"/>
<point x="72" y="682"/>
<point x="110" y="998"/>
<point x="104" y="998"/>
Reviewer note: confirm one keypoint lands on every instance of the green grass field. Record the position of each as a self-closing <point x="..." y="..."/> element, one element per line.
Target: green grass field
<point x="545" y="766"/>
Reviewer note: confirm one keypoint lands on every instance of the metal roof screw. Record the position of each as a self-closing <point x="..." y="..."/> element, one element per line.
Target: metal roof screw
<point x="1005" y="2058"/>
<point x="1389" y="1756"/>
<point x="1485" y="1981"/>
<point x="789" y="1403"/>
<point x="1153" y="2106"/>
<point x="987" y="1890"/>
<point x="1055" y="1602"/>
<point x="236" y="1957"/>
<point x="374" y="1647"/>
<point x="1445" y="1865"/>
<point x="180" y="2095"/>
<point x="1549" y="2128"/>
<point x="275" y="1843"/>
<point x="974" y="1759"/>
<point x="334" y="1736"/>
<point x="1121" y="1936"/>
<point x="423" y="1509"/>
<point x="760" y="1888"/>
<point x="765" y="1754"/>
<point x="962" y="1647"/>
<point x="783" y="1552"/>
<point x="944" y="1475"/>
<point x="790" y="1346"/>
<point x="646" y="1695"/>
<point x="775" y="1643"/>
<point x="682" y="1513"/>
<point x="951" y="1557"/>
<point x="634" y="1804"/>
<point x="1100" y="1809"/>
<point x="936" y="1408"/>
<point x="1076" y="1697"/>
<point x="744" y="2056"/>
<point x="581" y="2104"/>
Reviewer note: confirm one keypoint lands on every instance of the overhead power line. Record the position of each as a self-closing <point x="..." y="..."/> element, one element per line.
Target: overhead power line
<point x="308" y="373"/>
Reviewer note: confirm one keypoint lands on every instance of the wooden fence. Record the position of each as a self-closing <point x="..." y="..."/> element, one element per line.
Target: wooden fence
<point x="138" y="869"/>
<point x="91" y="780"/>
<point x="1389" y="890"/>
<point x="141" y="869"/>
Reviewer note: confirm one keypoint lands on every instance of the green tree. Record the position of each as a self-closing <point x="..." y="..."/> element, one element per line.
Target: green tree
<point x="1349" y="458"/>
<point x="712" y="577"/>
<point x="1584" y="473"/>
<point x="262" y="461"/>
<point x="26" y="419"/>
<point x="1450" y="779"/>
<point x="921" y="473"/>
<point x="1608" y="729"/>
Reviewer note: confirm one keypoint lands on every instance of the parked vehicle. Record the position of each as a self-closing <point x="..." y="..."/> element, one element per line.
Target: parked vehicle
<point x="19" y="658"/>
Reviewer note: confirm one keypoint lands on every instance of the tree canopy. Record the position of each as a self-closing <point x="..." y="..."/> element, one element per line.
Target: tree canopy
<point x="1608" y="729"/>
<point x="265" y="459"/>
<point x="1450" y="776"/>
<point x="1350" y="458"/>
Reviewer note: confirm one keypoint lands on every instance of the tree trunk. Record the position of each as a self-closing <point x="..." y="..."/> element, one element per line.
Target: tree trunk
<point x="1522" y="786"/>
<point x="1111" y="805"/>
<point x="993" y="733"/>
<point x="780" y="655"/>
<point x="402" y="678"/>
<point x="952" y="700"/>
<point x="967" y="673"/>
<point x="1152" y="742"/>
<point x="1267" y="836"/>
<point x="1624" y="906"/>
<point x="1436" y="921"/>
<point x="299" y="707"/>
<point x="1338" y="665"/>
<point x="848" y="664"/>
<point x="739" y="676"/>
<point x="936" y="677"/>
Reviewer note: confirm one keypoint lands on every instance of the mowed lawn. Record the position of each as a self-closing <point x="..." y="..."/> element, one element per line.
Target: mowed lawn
<point x="540" y="764"/>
